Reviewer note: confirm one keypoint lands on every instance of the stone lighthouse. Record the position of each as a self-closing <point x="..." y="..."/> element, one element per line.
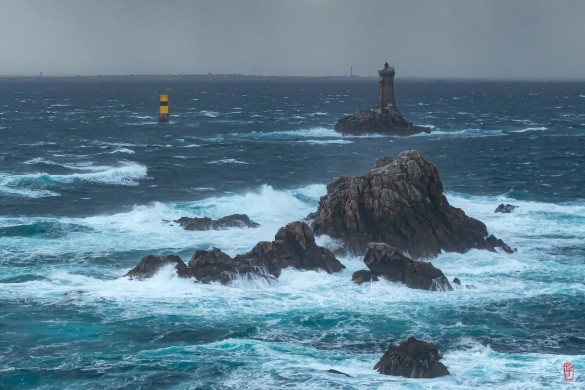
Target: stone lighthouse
<point x="386" y="88"/>
<point x="383" y="118"/>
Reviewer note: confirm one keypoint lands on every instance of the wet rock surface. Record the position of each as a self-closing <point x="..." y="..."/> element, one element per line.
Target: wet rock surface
<point x="206" y="223"/>
<point x="385" y="261"/>
<point x="150" y="265"/>
<point x="505" y="208"/>
<point x="399" y="202"/>
<point x="388" y="121"/>
<point x="412" y="359"/>
<point x="293" y="246"/>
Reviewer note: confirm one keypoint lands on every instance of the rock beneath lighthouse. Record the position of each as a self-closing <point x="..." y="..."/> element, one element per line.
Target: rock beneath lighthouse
<point x="387" y="121"/>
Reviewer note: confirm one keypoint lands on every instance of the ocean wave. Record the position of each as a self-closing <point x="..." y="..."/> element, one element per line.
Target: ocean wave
<point x="326" y="142"/>
<point x="209" y="114"/>
<point x="150" y="227"/>
<point x="35" y="185"/>
<point x="316" y="132"/>
<point x="540" y="128"/>
<point x="227" y="161"/>
<point x="123" y="150"/>
<point x="472" y="133"/>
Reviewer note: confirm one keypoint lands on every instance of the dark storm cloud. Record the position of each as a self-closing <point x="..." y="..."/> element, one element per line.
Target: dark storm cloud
<point x="428" y="38"/>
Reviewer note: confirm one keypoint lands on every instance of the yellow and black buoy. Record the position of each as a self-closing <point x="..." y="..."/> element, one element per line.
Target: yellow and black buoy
<point x="163" y="112"/>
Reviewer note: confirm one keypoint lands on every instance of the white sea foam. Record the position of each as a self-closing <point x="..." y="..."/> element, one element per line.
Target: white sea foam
<point x="144" y="228"/>
<point x="209" y="114"/>
<point x="227" y="161"/>
<point x="316" y="132"/>
<point x="326" y="142"/>
<point x="464" y="133"/>
<point x="540" y="128"/>
<point x="35" y="184"/>
<point x="123" y="150"/>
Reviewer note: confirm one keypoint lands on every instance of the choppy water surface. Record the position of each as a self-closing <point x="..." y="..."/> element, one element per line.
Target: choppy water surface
<point x="88" y="179"/>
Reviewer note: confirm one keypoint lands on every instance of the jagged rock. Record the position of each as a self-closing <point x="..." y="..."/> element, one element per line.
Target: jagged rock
<point x="388" y="121"/>
<point x="383" y="260"/>
<point x="402" y="204"/>
<point x="293" y="246"/>
<point x="505" y="208"/>
<point x="215" y="265"/>
<point x="206" y="223"/>
<point x="150" y="265"/>
<point x="363" y="276"/>
<point x="383" y="161"/>
<point x="412" y="359"/>
<point x="498" y="243"/>
<point x="457" y="281"/>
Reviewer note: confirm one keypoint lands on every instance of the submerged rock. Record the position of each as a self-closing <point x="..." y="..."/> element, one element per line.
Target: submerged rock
<point x="206" y="223"/>
<point x="150" y="265"/>
<point x="383" y="260"/>
<point x="334" y="371"/>
<point x="401" y="203"/>
<point x="505" y="208"/>
<point x="412" y="359"/>
<point x="363" y="276"/>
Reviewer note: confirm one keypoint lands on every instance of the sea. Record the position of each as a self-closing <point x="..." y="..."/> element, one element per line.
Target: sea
<point x="90" y="183"/>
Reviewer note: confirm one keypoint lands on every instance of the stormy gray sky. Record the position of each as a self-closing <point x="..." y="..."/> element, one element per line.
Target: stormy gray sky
<point x="424" y="38"/>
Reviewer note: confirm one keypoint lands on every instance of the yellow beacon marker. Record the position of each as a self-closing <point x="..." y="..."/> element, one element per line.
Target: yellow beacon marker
<point x="163" y="113"/>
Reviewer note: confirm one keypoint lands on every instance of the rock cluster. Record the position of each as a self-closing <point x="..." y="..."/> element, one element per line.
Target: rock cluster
<point x="412" y="359"/>
<point x="399" y="202"/>
<point x="387" y="262"/>
<point x="293" y="246"/>
<point x="388" y="121"/>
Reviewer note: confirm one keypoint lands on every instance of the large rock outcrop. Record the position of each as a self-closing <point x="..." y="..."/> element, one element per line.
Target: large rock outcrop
<point x="388" y="121"/>
<point x="293" y="246"/>
<point x="399" y="202"/>
<point x="383" y="260"/>
<point x="412" y="359"/>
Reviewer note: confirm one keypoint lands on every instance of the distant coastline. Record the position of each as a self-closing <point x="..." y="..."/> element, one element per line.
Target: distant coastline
<point x="241" y="77"/>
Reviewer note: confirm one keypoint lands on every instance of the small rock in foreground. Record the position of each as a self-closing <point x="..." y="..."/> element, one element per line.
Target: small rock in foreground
<point x="412" y="359"/>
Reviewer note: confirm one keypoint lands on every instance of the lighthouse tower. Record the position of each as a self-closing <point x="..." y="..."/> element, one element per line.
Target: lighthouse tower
<point x="386" y="88"/>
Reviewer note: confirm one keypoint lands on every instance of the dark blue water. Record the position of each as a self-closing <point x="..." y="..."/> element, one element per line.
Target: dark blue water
<point x="88" y="178"/>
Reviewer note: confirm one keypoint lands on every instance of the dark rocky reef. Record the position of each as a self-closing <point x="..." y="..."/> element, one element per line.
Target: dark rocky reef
<point x="399" y="202"/>
<point x="387" y="121"/>
<point x="412" y="359"/>
<point x="505" y="208"/>
<point x="385" y="261"/>
<point x="206" y="223"/>
<point x="293" y="246"/>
